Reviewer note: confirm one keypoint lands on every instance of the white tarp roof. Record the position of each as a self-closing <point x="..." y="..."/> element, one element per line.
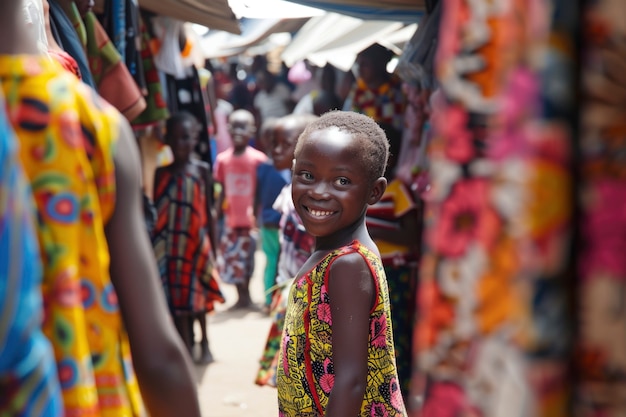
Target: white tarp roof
<point x="337" y="39"/>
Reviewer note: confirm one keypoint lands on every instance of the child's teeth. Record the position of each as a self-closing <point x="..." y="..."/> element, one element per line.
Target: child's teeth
<point x="318" y="213"/>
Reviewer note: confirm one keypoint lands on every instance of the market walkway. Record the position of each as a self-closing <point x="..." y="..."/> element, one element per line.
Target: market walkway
<point x="226" y="387"/>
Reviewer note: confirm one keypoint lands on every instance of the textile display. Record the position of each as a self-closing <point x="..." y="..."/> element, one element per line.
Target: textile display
<point x="114" y="82"/>
<point x="493" y="336"/>
<point x="156" y="105"/>
<point x="601" y="267"/>
<point x="65" y="35"/>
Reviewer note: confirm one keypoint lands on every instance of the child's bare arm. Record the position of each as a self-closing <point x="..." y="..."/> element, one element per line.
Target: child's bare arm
<point x="210" y="210"/>
<point x="351" y="291"/>
<point x="161" y="363"/>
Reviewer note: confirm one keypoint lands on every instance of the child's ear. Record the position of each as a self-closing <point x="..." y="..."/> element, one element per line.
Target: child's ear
<point x="378" y="189"/>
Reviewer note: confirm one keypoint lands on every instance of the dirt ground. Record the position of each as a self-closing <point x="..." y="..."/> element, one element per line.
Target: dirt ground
<point x="226" y="387"/>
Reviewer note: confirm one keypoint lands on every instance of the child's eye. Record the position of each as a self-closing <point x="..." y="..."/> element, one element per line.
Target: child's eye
<point x="342" y="181"/>
<point x="305" y="175"/>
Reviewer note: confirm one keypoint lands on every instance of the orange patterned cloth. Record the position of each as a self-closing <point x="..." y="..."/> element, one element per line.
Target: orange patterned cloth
<point x="67" y="135"/>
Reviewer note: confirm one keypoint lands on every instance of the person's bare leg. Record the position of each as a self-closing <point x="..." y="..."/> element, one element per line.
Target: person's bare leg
<point x="244" y="300"/>
<point x="205" y="352"/>
<point x="183" y="327"/>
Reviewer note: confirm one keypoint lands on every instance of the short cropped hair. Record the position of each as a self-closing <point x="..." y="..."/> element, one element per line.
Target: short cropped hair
<point x="242" y="113"/>
<point x="374" y="146"/>
<point x="376" y="53"/>
<point x="296" y="123"/>
<point x="179" y="118"/>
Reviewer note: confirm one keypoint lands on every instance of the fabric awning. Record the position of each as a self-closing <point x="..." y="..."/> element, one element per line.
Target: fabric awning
<point x="406" y="11"/>
<point x="217" y="44"/>
<point x="337" y="39"/>
<point x="214" y="14"/>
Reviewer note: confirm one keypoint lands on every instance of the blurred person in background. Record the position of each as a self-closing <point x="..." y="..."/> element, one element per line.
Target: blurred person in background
<point x="377" y="93"/>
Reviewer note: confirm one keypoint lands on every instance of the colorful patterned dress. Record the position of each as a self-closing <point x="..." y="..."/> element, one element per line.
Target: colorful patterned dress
<point x="67" y="136"/>
<point x="181" y="243"/>
<point x="28" y="378"/>
<point x="386" y="104"/>
<point x="305" y="373"/>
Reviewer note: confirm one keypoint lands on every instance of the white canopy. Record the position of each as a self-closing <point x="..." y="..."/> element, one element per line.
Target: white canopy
<point x="337" y="39"/>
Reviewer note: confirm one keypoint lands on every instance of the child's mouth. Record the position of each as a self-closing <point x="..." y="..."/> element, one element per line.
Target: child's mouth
<point x="319" y="213"/>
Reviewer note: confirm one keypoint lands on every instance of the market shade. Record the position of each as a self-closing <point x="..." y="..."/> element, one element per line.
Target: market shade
<point x="216" y="44"/>
<point x="214" y="14"/>
<point x="337" y="39"/>
<point x="407" y="11"/>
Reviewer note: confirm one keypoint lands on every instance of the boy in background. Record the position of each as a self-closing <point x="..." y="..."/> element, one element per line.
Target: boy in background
<point x="236" y="171"/>
<point x="270" y="181"/>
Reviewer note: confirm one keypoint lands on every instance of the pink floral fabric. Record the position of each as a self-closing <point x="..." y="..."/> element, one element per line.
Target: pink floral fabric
<point x="492" y="334"/>
<point x="601" y="345"/>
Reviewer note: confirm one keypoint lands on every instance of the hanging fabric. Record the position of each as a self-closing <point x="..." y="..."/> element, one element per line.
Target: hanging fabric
<point x="156" y="104"/>
<point x="113" y="80"/>
<point x="132" y="54"/>
<point x="493" y="334"/>
<point x="67" y="38"/>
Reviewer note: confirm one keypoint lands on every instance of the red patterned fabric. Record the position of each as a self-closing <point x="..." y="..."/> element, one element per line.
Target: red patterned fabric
<point x="181" y="243"/>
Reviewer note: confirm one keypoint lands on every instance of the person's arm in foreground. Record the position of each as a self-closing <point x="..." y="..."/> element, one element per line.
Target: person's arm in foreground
<point x="161" y="363"/>
<point x="351" y="291"/>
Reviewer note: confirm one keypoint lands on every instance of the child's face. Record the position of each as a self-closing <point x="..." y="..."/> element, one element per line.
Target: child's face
<point x="283" y="146"/>
<point x="182" y="140"/>
<point x="330" y="188"/>
<point x="267" y="139"/>
<point x="241" y="129"/>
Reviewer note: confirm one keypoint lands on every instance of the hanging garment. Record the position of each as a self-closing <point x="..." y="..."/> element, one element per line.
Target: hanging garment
<point x="156" y="105"/>
<point x="67" y="38"/>
<point x="493" y="336"/>
<point x="115" y="84"/>
<point x="132" y="55"/>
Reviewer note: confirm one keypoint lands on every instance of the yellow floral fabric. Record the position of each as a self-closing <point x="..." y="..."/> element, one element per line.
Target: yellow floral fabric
<point x="66" y="136"/>
<point x="305" y="374"/>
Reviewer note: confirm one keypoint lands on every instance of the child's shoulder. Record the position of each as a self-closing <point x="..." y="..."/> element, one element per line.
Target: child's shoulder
<point x="366" y="250"/>
<point x="225" y="154"/>
<point x="256" y="154"/>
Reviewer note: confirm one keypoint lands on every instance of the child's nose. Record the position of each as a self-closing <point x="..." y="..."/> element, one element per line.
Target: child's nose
<point x="319" y="190"/>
